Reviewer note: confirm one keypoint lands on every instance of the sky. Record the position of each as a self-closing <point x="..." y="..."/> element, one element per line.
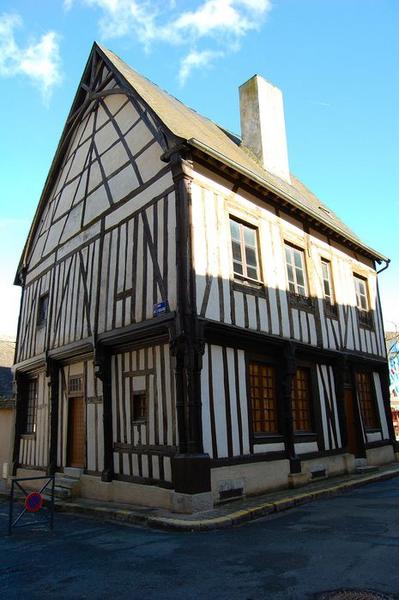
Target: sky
<point x="336" y="62"/>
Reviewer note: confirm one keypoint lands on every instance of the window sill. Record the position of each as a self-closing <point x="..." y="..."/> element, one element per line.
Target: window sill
<point x="267" y="438"/>
<point x="301" y="302"/>
<point x="28" y="436"/>
<point x="300" y="437"/>
<point x="331" y="310"/>
<point x="366" y="326"/>
<point x="248" y="286"/>
<point x="365" y="320"/>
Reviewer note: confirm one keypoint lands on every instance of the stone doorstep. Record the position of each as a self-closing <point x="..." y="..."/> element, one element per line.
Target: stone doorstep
<point x="225" y="516"/>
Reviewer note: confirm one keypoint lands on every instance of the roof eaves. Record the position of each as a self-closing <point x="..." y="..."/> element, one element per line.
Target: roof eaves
<point x="269" y="185"/>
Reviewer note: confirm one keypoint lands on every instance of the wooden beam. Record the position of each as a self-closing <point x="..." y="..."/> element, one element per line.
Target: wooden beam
<point x="53" y="373"/>
<point x="102" y="370"/>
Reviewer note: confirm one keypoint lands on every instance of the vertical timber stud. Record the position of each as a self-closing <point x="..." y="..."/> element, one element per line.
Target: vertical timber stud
<point x="340" y="367"/>
<point x="289" y="370"/>
<point x="53" y="384"/>
<point x="20" y="412"/>
<point x="191" y="467"/>
<point x="102" y="366"/>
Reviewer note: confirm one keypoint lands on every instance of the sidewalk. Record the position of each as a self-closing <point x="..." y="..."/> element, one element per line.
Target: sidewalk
<point x="226" y="515"/>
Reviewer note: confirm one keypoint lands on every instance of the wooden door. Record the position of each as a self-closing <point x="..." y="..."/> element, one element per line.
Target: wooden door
<point x="76" y="433"/>
<point x="351" y="429"/>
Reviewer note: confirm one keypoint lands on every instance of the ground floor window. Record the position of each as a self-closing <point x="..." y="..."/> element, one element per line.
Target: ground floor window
<point x="365" y="390"/>
<point x="31" y="407"/>
<point x="263" y="391"/>
<point x="302" y="401"/>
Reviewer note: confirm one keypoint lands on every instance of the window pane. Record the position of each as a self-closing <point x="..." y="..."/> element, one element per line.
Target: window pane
<point x="235" y="230"/>
<point x="324" y="267"/>
<point x="290" y="274"/>
<point x="251" y="256"/>
<point x="298" y="258"/>
<point x="249" y="236"/>
<point x="237" y="268"/>
<point x="299" y="278"/>
<point x="252" y="273"/>
<point x="301" y="290"/>
<point x="363" y="302"/>
<point x="236" y="251"/>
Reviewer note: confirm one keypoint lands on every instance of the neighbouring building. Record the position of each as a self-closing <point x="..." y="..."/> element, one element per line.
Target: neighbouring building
<point x="7" y="403"/>
<point x="195" y="324"/>
<point x="392" y="343"/>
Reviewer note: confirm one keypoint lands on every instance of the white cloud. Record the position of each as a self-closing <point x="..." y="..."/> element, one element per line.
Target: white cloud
<point x="195" y="60"/>
<point x="207" y="30"/>
<point x="39" y="61"/>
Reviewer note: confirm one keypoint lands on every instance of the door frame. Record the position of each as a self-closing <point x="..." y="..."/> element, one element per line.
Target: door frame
<point x="358" y="424"/>
<point x="69" y="432"/>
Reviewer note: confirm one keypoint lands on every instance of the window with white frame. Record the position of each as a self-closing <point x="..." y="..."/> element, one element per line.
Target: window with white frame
<point x="31" y="407"/>
<point x="245" y="250"/>
<point x="327" y="281"/>
<point x="362" y="301"/>
<point x="296" y="273"/>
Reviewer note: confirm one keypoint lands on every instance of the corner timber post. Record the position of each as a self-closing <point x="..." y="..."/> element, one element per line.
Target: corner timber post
<point x="102" y="366"/>
<point x="289" y="370"/>
<point x="53" y="374"/>
<point x="190" y="467"/>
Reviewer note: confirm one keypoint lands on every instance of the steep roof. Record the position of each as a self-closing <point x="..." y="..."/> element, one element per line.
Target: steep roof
<point x="203" y="133"/>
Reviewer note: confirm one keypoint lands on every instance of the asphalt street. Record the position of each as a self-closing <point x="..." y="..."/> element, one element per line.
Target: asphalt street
<point x="350" y="541"/>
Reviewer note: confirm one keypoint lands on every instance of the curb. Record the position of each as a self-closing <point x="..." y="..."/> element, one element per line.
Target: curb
<point x="235" y="518"/>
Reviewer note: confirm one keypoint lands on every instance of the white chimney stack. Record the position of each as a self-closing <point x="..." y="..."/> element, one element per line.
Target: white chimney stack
<point x="263" y="125"/>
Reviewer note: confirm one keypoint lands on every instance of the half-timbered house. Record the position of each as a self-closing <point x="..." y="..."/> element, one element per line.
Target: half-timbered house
<point x="195" y="324"/>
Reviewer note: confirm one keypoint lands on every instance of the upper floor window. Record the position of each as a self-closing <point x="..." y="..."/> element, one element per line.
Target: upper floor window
<point x="302" y="401"/>
<point x="245" y="250"/>
<point x="327" y="281"/>
<point x="362" y="300"/>
<point x="31" y="407"/>
<point x="263" y="391"/>
<point x="42" y="310"/>
<point x="328" y="289"/>
<point x="295" y="260"/>
<point x="365" y="390"/>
